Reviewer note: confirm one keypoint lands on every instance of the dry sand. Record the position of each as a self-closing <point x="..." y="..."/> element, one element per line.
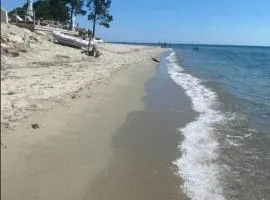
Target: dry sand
<point x="73" y="144"/>
<point x="78" y="103"/>
<point x="44" y="72"/>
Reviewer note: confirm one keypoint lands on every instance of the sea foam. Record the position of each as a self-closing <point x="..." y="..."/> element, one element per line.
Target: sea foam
<point x="197" y="165"/>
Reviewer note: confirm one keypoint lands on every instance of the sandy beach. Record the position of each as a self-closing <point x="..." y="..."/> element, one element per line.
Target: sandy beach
<point x="78" y="103"/>
<point x="44" y="72"/>
<point x="135" y="100"/>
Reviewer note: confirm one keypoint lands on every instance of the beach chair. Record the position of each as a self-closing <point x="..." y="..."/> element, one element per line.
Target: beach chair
<point x="17" y="18"/>
<point x="28" y="18"/>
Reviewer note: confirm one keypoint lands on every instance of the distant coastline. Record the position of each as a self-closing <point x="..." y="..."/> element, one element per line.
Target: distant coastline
<point x="187" y="44"/>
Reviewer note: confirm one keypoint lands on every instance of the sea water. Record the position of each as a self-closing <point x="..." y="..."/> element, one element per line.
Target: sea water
<point x="225" y="153"/>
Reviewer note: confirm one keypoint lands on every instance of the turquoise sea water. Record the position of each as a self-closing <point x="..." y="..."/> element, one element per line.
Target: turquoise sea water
<point x="226" y="151"/>
<point x="239" y="75"/>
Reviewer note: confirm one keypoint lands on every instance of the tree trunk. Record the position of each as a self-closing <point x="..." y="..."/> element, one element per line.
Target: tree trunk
<point x="94" y="22"/>
<point x="94" y="28"/>
<point x="71" y="17"/>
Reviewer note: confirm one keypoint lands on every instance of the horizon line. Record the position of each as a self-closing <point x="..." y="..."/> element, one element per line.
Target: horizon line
<point x="202" y="44"/>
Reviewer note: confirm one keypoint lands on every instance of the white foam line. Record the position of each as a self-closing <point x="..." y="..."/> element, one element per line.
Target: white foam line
<point x="197" y="164"/>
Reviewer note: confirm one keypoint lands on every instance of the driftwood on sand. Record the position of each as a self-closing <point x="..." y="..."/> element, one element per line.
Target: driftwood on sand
<point x="155" y="59"/>
<point x="93" y="52"/>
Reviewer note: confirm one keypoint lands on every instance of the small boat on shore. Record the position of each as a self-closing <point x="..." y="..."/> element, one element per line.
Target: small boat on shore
<point x="73" y="41"/>
<point x="69" y="40"/>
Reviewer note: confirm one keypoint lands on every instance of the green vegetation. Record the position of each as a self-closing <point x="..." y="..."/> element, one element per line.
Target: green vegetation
<point x="99" y="12"/>
<point x="49" y="9"/>
<point x="75" y="8"/>
<point x="64" y="10"/>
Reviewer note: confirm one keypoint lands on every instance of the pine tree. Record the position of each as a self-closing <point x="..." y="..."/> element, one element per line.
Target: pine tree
<point x="99" y="12"/>
<point x="48" y="9"/>
<point x="59" y="10"/>
<point x="76" y="8"/>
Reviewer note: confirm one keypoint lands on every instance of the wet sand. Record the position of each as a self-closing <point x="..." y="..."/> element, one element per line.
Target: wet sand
<point x="145" y="147"/>
<point x="118" y="144"/>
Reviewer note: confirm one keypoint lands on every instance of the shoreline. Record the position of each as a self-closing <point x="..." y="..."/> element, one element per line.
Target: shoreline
<point x="72" y="145"/>
<point x="228" y="139"/>
<point x="146" y="146"/>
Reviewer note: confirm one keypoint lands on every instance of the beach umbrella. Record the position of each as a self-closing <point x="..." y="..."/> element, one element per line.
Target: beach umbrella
<point x="29" y="11"/>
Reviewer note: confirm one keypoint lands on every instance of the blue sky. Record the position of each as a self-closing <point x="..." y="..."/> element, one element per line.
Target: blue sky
<point x="243" y="22"/>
